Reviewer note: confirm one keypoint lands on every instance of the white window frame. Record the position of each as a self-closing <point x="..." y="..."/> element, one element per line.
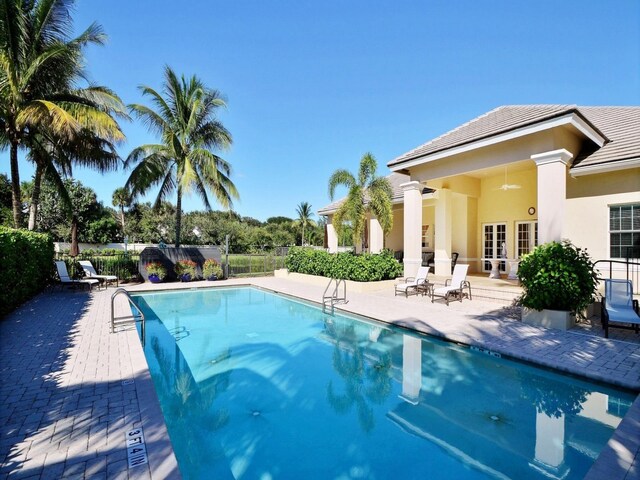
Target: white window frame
<point x="496" y="247"/>
<point x="533" y="240"/>
<point x="634" y="206"/>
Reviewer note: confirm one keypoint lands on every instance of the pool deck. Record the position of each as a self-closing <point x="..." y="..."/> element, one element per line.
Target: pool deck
<point x="70" y="391"/>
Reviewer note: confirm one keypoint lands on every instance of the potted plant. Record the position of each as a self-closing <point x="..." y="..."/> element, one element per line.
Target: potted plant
<point x="156" y="272"/>
<point x="186" y="270"/>
<point x="211" y="270"/>
<point x="559" y="282"/>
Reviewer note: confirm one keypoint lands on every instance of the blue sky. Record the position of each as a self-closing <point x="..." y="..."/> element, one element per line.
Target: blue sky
<point x="313" y="85"/>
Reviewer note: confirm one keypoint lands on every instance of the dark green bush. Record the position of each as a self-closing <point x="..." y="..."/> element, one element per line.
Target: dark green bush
<point x="558" y="276"/>
<point x="26" y="259"/>
<point x="366" y="267"/>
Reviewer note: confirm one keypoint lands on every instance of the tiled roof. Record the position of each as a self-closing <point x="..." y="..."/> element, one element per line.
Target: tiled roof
<point x="619" y="124"/>
<point x="395" y="179"/>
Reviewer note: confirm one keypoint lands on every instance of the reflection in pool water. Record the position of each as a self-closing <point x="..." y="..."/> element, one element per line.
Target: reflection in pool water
<point x="254" y="385"/>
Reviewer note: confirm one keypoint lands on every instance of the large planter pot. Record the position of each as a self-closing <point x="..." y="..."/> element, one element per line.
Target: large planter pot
<point x="212" y="278"/>
<point x="153" y="278"/>
<point x="185" y="277"/>
<point x="559" y="319"/>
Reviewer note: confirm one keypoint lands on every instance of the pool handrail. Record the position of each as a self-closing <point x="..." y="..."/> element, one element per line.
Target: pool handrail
<point x="126" y="317"/>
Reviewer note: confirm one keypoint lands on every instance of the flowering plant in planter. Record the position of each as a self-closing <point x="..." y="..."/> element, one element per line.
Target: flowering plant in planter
<point x="211" y="270"/>
<point x="156" y="271"/>
<point x="186" y="270"/>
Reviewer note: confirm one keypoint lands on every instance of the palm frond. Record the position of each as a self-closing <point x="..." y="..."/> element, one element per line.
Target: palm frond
<point x="340" y="177"/>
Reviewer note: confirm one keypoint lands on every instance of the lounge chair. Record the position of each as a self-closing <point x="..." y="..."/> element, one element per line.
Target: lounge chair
<point x="419" y="283"/>
<point x="454" y="260"/>
<point x="65" y="279"/>
<point x="619" y="307"/>
<point x="90" y="272"/>
<point x="454" y="286"/>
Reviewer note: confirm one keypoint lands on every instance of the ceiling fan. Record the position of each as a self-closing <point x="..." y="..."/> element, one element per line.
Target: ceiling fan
<point x="506" y="185"/>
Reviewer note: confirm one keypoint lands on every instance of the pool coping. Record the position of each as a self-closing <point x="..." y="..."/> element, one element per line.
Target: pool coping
<point x="617" y="461"/>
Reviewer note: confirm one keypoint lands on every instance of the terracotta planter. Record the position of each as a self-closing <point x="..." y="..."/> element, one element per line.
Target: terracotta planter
<point x="559" y="319"/>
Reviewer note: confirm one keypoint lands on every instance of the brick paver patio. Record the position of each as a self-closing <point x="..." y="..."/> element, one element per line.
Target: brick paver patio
<point x="71" y="391"/>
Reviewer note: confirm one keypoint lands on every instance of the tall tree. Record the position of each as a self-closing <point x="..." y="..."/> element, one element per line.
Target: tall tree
<point x="184" y="116"/>
<point x="121" y="199"/>
<point x="40" y="66"/>
<point x="367" y="194"/>
<point x="304" y="217"/>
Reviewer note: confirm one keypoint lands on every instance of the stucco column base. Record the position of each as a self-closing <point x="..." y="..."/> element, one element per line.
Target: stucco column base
<point x="411" y="266"/>
<point x="443" y="267"/>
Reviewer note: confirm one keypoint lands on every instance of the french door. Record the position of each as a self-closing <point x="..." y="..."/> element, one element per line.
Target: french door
<point x="493" y="242"/>
<point x="527" y="237"/>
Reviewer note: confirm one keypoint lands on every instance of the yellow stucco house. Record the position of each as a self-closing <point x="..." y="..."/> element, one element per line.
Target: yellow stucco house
<point x="512" y="178"/>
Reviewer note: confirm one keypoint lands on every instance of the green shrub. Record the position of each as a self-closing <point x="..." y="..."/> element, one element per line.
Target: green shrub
<point x="366" y="267"/>
<point x="558" y="276"/>
<point x="26" y="259"/>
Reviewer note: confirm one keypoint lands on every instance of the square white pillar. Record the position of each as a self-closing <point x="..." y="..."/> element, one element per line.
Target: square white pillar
<point x="332" y="237"/>
<point x="411" y="369"/>
<point x="412" y="227"/>
<point x="549" y="440"/>
<point x="552" y="193"/>
<point x="443" y="224"/>
<point x="376" y="236"/>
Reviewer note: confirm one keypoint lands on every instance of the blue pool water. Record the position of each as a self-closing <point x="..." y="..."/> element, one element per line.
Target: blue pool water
<point x="254" y="385"/>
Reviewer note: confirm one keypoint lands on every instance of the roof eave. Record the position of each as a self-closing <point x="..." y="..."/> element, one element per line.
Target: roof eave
<point x="573" y="117"/>
<point x="611" y="166"/>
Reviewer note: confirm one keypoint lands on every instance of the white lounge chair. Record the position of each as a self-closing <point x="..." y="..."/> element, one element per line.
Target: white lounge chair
<point x="90" y="272"/>
<point x="618" y="306"/>
<point x="419" y="283"/>
<point x="454" y="286"/>
<point x="65" y="279"/>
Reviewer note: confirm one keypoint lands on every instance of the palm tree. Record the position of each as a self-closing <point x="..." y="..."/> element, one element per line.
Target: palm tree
<point x="121" y="199"/>
<point x="304" y="217"/>
<point x="54" y="159"/>
<point x="185" y="119"/>
<point x="367" y="194"/>
<point x="39" y="68"/>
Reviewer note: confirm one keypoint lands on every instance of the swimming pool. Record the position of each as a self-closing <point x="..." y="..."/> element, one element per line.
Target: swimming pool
<point x="256" y="385"/>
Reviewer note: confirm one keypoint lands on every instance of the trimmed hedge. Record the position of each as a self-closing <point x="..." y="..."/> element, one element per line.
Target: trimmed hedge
<point x="366" y="267"/>
<point x="26" y="259"/>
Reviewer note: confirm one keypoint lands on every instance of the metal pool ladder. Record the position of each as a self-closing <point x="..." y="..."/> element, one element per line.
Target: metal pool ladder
<point x="334" y="297"/>
<point x="127" y="318"/>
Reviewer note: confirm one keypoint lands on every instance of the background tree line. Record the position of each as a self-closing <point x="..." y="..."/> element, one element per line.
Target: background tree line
<point x="142" y="223"/>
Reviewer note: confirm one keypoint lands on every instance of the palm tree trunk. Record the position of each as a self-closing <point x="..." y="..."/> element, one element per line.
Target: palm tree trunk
<point x="178" y="216"/>
<point x="122" y="221"/>
<point x="16" y="196"/>
<point x="303" y="234"/>
<point x="35" y="197"/>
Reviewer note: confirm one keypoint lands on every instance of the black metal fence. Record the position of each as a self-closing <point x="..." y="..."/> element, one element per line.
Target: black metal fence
<point x="122" y="264"/>
<point x="128" y="266"/>
<point x="252" y="264"/>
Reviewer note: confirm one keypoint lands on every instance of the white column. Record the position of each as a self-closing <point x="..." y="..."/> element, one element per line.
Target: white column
<point x="411" y="368"/>
<point x="549" y="440"/>
<point x="443" y="223"/>
<point x="412" y="227"/>
<point x="552" y="193"/>
<point x="376" y="236"/>
<point x="332" y="238"/>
